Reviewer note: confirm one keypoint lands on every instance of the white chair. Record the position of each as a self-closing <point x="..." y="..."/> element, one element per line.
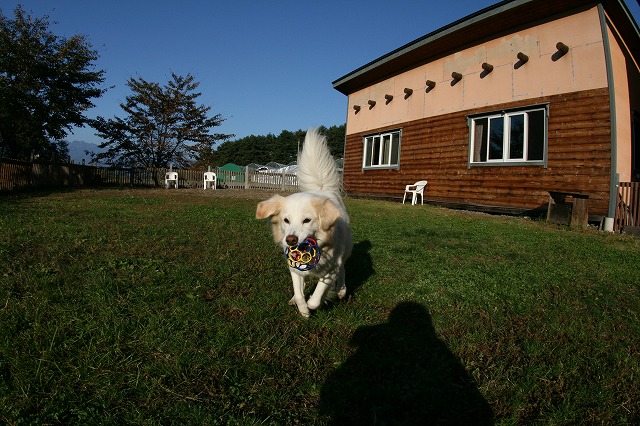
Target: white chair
<point x="209" y="180"/>
<point x="415" y="190"/>
<point x="171" y="179"/>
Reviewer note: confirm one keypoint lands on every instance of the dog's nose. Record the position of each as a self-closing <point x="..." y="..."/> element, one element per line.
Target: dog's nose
<point x="291" y="240"/>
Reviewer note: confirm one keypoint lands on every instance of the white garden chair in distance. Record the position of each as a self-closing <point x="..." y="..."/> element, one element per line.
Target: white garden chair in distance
<point x="171" y="179"/>
<point x="209" y="180"/>
<point x="415" y="190"/>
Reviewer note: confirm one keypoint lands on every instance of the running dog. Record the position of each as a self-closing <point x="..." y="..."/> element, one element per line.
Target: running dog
<point x="316" y="214"/>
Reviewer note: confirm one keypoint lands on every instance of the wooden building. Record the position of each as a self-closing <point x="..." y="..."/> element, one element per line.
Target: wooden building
<point x="499" y="108"/>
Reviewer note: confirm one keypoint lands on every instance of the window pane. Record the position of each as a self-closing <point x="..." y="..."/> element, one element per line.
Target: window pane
<point x="535" y="136"/>
<point x="480" y="140"/>
<point x="386" y="148"/>
<point x="395" y="149"/>
<point x="367" y="152"/>
<point x="516" y="137"/>
<point x="375" y="160"/>
<point x="496" y="137"/>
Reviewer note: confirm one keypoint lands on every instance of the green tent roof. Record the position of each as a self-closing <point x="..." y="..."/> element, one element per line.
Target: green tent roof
<point x="230" y="167"/>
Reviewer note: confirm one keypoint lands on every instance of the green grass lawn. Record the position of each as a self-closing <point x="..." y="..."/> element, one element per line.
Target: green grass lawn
<point x="170" y="307"/>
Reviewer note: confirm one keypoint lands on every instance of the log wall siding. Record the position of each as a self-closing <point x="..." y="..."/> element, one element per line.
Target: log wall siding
<point x="436" y="149"/>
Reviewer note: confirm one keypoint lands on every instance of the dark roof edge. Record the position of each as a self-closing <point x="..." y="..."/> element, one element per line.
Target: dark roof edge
<point x="342" y="83"/>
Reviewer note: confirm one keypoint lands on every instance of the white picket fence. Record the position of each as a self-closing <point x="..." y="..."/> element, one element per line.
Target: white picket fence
<point x="248" y="179"/>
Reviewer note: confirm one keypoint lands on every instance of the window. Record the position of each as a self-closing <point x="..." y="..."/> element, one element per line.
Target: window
<point x="509" y="137"/>
<point x="381" y="150"/>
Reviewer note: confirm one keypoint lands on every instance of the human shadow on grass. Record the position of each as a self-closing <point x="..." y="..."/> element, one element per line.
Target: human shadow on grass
<point x="401" y="373"/>
<point x="359" y="267"/>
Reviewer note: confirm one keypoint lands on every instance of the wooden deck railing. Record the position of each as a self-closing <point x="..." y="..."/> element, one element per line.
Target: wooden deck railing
<point x="627" y="205"/>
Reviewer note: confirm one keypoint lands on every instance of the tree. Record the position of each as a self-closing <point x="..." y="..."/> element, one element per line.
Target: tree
<point x="335" y="139"/>
<point x="163" y="126"/>
<point x="47" y="83"/>
<point x="264" y="149"/>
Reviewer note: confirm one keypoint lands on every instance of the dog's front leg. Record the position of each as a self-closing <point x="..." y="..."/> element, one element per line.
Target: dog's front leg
<point x="341" y="285"/>
<point x="320" y="292"/>
<point x="298" y="294"/>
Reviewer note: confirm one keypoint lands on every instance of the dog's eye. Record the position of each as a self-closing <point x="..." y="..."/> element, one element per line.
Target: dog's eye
<point x="307" y="220"/>
<point x="286" y="220"/>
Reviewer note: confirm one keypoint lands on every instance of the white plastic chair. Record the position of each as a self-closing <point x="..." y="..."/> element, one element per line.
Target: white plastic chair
<point x="171" y="179"/>
<point x="415" y="190"/>
<point x="209" y="180"/>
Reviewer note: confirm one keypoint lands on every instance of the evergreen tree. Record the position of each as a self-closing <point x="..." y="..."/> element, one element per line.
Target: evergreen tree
<point x="47" y="83"/>
<point x="270" y="148"/>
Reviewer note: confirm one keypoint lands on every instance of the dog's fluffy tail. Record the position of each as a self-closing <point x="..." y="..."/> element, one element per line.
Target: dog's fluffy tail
<point x="316" y="167"/>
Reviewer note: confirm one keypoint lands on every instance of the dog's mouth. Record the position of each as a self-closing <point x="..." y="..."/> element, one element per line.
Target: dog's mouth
<point x="307" y="244"/>
<point x="304" y="255"/>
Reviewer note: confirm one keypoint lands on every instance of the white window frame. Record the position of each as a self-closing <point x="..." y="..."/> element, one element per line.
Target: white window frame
<point x="505" y="118"/>
<point x="379" y="150"/>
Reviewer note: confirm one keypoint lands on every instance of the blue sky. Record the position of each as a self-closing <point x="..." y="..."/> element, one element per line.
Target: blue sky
<point x="265" y="66"/>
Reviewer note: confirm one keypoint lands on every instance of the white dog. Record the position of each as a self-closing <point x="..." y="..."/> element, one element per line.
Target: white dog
<point x="319" y="213"/>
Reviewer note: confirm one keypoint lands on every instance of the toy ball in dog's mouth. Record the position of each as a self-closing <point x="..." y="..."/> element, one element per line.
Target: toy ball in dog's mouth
<point x="303" y="256"/>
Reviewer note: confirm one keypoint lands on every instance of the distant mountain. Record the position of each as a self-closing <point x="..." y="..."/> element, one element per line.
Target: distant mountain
<point x="77" y="151"/>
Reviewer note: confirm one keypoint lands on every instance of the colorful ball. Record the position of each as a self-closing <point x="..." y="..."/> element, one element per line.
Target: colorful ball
<point x="303" y="256"/>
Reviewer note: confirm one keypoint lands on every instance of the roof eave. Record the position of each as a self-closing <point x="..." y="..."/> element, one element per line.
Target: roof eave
<point x="407" y="56"/>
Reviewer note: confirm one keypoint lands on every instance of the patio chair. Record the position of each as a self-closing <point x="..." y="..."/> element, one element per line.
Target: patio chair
<point x="209" y="180"/>
<point x="171" y="179"/>
<point x="415" y="190"/>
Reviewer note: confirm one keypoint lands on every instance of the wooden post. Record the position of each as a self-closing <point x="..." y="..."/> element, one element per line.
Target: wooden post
<point x="579" y="213"/>
<point x="246" y="178"/>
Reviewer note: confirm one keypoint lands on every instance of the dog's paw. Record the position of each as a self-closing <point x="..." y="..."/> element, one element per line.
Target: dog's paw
<point x="313" y="305"/>
<point x="342" y="293"/>
<point x="304" y="308"/>
<point x="304" y="311"/>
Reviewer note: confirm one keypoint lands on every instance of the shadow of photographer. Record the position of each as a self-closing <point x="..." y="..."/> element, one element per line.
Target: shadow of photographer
<point x="401" y="373"/>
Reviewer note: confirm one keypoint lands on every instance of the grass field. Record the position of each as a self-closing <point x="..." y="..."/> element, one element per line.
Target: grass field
<point x="170" y="307"/>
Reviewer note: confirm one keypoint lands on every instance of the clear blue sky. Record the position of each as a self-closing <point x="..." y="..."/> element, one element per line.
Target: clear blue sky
<point x="265" y="66"/>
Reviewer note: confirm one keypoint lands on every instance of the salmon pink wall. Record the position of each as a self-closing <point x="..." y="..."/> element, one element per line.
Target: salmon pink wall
<point x="625" y="72"/>
<point x="545" y="74"/>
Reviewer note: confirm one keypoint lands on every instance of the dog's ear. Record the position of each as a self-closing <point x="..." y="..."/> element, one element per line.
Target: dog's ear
<point x="270" y="207"/>
<point x="329" y="214"/>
